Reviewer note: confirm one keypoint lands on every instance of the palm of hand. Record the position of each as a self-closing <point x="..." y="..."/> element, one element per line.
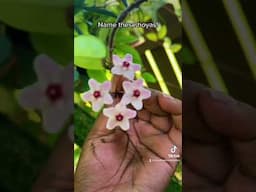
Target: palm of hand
<point x="120" y="161"/>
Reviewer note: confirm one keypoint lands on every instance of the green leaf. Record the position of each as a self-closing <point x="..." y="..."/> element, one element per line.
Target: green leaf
<point x="89" y="63"/>
<point x="89" y="52"/>
<point x="149" y="78"/>
<point x="162" y="32"/>
<point x="58" y="47"/>
<point x="187" y="56"/>
<point x="123" y="49"/>
<point x="36" y="16"/>
<point x="98" y="75"/>
<point x="152" y="36"/>
<point x="125" y="37"/>
<point x="175" y="48"/>
<point x="100" y="11"/>
<point x="76" y="75"/>
<point x="125" y="3"/>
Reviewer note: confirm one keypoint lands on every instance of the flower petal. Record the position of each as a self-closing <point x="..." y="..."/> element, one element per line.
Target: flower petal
<point x="87" y="96"/>
<point x="109" y="112"/>
<point x="46" y="69"/>
<point x="30" y="97"/>
<point x="138" y="83"/>
<point x="93" y="84"/>
<point x="117" y="60"/>
<point x="54" y="118"/>
<point x="128" y="58"/>
<point x="129" y="113"/>
<point x="129" y="74"/>
<point x="126" y="99"/>
<point x="128" y="88"/>
<point x="117" y="70"/>
<point x="108" y="99"/>
<point x="125" y="125"/>
<point x="111" y="124"/>
<point x="97" y="105"/>
<point x="145" y="94"/>
<point x="106" y="86"/>
<point x="137" y="104"/>
<point x="136" y="67"/>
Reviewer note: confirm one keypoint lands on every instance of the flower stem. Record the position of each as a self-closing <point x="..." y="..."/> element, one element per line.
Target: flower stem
<point x="108" y="64"/>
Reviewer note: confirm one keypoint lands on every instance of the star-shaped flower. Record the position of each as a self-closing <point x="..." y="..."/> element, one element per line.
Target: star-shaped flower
<point x="135" y="93"/>
<point x="119" y="116"/>
<point x="125" y="66"/>
<point x="98" y="94"/>
<point x="52" y="94"/>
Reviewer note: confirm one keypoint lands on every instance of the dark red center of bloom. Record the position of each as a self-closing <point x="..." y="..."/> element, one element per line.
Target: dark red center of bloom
<point x="136" y="93"/>
<point x="126" y="64"/>
<point x="54" y="92"/>
<point x="119" y="117"/>
<point x="96" y="94"/>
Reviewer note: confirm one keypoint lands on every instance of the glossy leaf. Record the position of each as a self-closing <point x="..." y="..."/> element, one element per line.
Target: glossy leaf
<point x="149" y="78"/>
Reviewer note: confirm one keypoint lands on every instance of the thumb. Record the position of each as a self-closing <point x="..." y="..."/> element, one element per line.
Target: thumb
<point x="228" y="116"/>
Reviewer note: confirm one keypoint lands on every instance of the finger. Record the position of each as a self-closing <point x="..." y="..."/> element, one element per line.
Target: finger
<point x="194" y="125"/>
<point x="99" y="127"/>
<point x="152" y="104"/>
<point x="170" y="104"/>
<point x="117" y="82"/>
<point x="162" y="123"/>
<point x="228" y="116"/>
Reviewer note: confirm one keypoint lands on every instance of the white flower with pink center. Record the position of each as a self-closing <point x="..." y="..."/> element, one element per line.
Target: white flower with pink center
<point x="119" y="116"/>
<point x="52" y="94"/>
<point x="125" y="66"/>
<point x="135" y="93"/>
<point x="98" y="94"/>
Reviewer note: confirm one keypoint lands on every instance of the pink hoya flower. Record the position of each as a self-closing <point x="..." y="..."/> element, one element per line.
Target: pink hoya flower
<point x="119" y="116"/>
<point x="52" y="94"/>
<point x="135" y="93"/>
<point x="125" y="66"/>
<point x="98" y="94"/>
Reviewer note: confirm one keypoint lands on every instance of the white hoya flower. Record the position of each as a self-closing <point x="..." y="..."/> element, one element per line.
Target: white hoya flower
<point x="52" y="94"/>
<point x="98" y="94"/>
<point x="135" y="93"/>
<point x="119" y="116"/>
<point x="125" y="66"/>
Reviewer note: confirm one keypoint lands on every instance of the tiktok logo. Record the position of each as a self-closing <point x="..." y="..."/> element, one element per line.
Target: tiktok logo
<point x="173" y="149"/>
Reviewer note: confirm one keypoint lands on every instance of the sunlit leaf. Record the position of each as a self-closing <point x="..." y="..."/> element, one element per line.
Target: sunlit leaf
<point x="175" y="48"/>
<point x="100" y="11"/>
<point x="162" y="32"/>
<point x="148" y="77"/>
<point x="89" y="52"/>
<point x="152" y="36"/>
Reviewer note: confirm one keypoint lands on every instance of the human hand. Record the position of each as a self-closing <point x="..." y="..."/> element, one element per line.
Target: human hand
<point x="115" y="160"/>
<point x="219" y="142"/>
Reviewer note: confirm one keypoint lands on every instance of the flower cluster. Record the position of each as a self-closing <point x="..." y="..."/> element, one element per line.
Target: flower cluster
<point x="134" y="94"/>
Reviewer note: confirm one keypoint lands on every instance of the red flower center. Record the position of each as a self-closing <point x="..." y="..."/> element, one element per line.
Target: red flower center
<point x="119" y="117"/>
<point x="136" y="93"/>
<point x="54" y="92"/>
<point x="96" y="94"/>
<point x="126" y="64"/>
